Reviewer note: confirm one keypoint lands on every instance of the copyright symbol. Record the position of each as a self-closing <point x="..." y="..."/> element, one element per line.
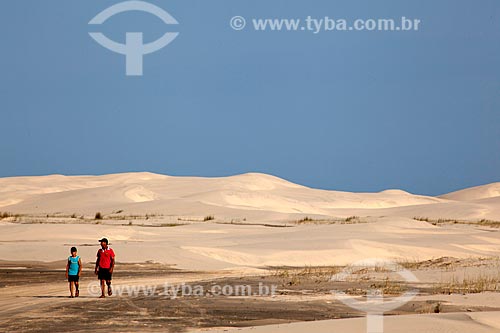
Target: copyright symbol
<point x="238" y="23"/>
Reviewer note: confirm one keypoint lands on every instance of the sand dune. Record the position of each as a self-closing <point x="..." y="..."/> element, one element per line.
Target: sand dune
<point x="250" y="195"/>
<point x="386" y="228"/>
<point x="474" y="193"/>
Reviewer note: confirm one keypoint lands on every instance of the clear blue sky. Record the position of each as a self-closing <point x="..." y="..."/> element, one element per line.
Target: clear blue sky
<point x="355" y="111"/>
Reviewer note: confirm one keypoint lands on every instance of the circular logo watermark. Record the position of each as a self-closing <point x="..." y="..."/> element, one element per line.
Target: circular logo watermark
<point x="134" y="48"/>
<point x="375" y="305"/>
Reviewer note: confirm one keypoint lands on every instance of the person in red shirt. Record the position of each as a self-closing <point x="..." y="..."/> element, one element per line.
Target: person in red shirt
<point x="104" y="266"/>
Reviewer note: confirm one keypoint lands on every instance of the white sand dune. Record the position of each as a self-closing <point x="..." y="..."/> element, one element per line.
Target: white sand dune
<point x="388" y="229"/>
<point x="475" y="193"/>
<point x="250" y="196"/>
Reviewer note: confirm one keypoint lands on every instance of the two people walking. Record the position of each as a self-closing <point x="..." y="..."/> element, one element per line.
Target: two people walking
<point x="104" y="267"/>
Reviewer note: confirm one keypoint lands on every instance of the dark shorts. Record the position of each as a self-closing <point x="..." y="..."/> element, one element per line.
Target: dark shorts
<point x="73" y="278"/>
<point x="104" y="274"/>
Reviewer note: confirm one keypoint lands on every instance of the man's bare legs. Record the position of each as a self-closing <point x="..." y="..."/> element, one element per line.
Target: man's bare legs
<point x="103" y="288"/>
<point x="110" y="292"/>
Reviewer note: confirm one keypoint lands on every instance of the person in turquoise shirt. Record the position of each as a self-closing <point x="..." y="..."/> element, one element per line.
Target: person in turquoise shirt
<point x="73" y="270"/>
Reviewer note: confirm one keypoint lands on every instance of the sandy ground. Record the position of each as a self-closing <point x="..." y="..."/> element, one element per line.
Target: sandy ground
<point x="210" y="246"/>
<point x="451" y="323"/>
<point x="33" y="298"/>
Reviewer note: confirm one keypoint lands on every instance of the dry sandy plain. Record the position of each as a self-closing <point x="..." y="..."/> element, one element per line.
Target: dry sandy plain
<point x="245" y="230"/>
